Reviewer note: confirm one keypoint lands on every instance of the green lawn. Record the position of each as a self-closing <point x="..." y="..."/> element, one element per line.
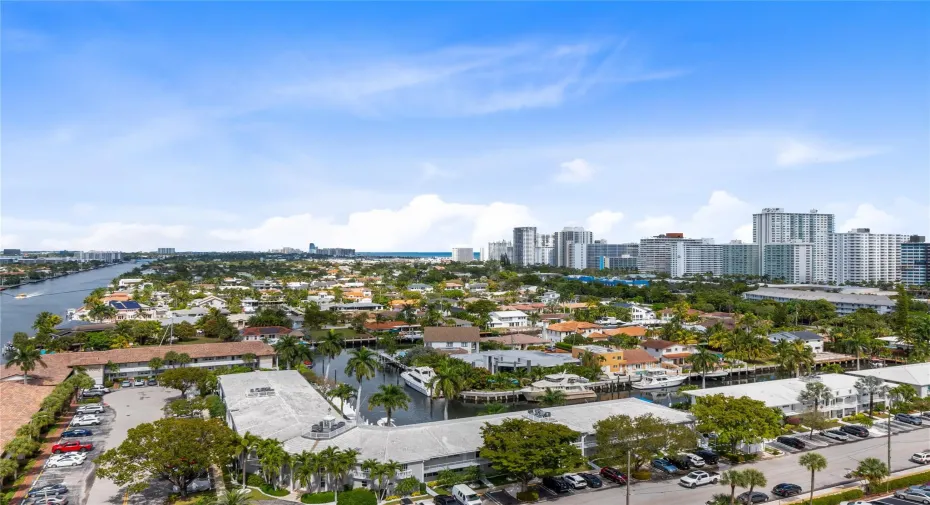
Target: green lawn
<point x="199" y="340"/>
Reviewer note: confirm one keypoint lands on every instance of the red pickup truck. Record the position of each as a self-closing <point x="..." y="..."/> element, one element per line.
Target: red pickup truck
<point x="72" y="446"/>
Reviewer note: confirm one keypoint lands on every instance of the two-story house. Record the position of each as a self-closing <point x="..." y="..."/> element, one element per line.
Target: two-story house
<point x="452" y="339"/>
<point x="557" y="332"/>
<point x="508" y="319"/>
<point x="210" y="302"/>
<point x="621" y="361"/>
<point x="264" y="333"/>
<point x="420" y="288"/>
<point x="639" y="314"/>
<point x="812" y="340"/>
<point x="668" y="352"/>
<point x="126" y="311"/>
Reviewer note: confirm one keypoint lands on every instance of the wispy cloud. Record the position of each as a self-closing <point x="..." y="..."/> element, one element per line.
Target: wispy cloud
<point x="797" y="153"/>
<point x="575" y="171"/>
<point x="429" y="171"/>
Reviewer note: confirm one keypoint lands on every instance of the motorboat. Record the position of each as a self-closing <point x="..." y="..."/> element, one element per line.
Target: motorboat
<point x="419" y="378"/>
<point x="658" y="379"/>
<point x="573" y="386"/>
<point x="711" y="374"/>
<point x="383" y="422"/>
<point x="22" y="296"/>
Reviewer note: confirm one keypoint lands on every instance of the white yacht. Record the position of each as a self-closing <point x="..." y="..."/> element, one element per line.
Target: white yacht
<point x="658" y="379"/>
<point x="574" y="387"/>
<point x="419" y="378"/>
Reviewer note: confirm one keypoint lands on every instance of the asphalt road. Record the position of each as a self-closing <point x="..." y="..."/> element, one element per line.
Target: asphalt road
<point x="840" y="459"/>
<point x="133" y="406"/>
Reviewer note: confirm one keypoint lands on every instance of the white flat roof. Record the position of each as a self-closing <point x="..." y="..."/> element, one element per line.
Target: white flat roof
<point x="427" y="441"/>
<point x="509" y="313"/>
<point x="917" y="374"/>
<point x="794" y="294"/>
<point x="782" y="393"/>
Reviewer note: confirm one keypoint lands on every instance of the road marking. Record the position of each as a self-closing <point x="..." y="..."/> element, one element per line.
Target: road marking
<point x="125" y="497"/>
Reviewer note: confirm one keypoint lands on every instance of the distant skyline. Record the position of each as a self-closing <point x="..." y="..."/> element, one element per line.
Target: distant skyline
<point x="426" y="126"/>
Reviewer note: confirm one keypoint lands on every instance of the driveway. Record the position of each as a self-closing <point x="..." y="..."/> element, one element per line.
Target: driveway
<point x="840" y="459"/>
<point x="132" y="406"/>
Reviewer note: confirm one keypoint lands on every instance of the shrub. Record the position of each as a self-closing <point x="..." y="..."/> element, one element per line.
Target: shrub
<point x="862" y="419"/>
<point x="642" y="475"/>
<point x="92" y="399"/>
<point x="273" y="491"/>
<point x="793" y="421"/>
<point x="216" y="407"/>
<point x="903" y="482"/>
<point x="357" y="497"/>
<point x="563" y="346"/>
<point x="528" y="495"/>
<point x="836" y="499"/>
<point x="255" y="480"/>
<point x="324" y="497"/>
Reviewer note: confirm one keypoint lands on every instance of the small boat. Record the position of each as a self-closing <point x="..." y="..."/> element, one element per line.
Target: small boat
<point x="418" y="379"/>
<point x="383" y="422"/>
<point x="573" y="386"/>
<point x="712" y="374"/>
<point x="658" y="379"/>
<point x="22" y="296"/>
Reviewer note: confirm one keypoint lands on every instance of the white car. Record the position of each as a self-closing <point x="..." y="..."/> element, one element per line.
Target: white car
<point x="64" y="462"/>
<point x="695" y="460"/>
<point x="196" y="485"/>
<point x="95" y="408"/>
<point x="89" y="420"/>
<point x="71" y="455"/>
<point x="921" y="457"/>
<point x="835" y="435"/>
<point x="575" y="481"/>
<point x="138" y="383"/>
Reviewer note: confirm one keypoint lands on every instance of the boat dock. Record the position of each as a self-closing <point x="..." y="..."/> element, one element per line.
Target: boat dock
<point x="390" y="361"/>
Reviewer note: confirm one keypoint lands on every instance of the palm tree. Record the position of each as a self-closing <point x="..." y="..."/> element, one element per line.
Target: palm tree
<point x="246" y="444"/>
<point x="370" y="467"/>
<point x="361" y="365"/>
<point x="816" y="393"/>
<point x="390" y="397"/>
<point x="815" y="463"/>
<point x="272" y="458"/>
<point x="184" y="359"/>
<point x="329" y="347"/>
<point x="347" y="461"/>
<point x="448" y="381"/>
<point x="8" y="468"/>
<point x="155" y="364"/>
<point x="734" y="479"/>
<point x="290" y="351"/>
<point x="233" y="497"/>
<point x="388" y="471"/>
<point x="870" y="385"/>
<point x="24" y="355"/>
<point x="171" y="358"/>
<point x="872" y="470"/>
<point x="309" y="465"/>
<point x="855" y="343"/>
<point x="591" y="360"/>
<point x="702" y="361"/>
<point x="248" y="358"/>
<point x="754" y="478"/>
<point x="343" y="392"/>
<point x="493" y="408"/>
<point x="553" y="397"/>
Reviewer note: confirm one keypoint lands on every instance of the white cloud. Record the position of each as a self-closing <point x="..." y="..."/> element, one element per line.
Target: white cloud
<point x="429" y="171"/>
<point x="900" y="216"/>
<point x="724" y="217"/>
<point x="796" y="153"/>
<point x="602" y="223"/>
<point x="575" y="171"/>
<point x="425" y="223"/>
<point x="54" y="235"/>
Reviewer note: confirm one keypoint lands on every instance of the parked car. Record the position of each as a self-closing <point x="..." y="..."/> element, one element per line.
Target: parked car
<point x="77" y="432"/>
<point x="48" y="489"/>
<point x="680" y="462"/>
<point x="695" y="460"/>
<point x="785" y="490"/>
<point x="72" y="446"/>
<point x="139" y="383"/>
<point x="48" y="500"/>
<point x="755" y="497"/>
<point x="664" y="465"/>
<point x="443" y="499"/>
<point x="89" y="420"/>
<point x="699" y="478"/>
<point x="71" y="455"/>
<point x="835" y="435"/>
<point x="921" y="457"/>
<point x="152" y="382"/>
<point x="791" y="442"/>
<point x="710" y="457"/>
<point x="613" y="474"/>
<point x="909" y="419"/>
<point x="91" y="393"/>
<point x="575" y="481"/>
<point x="125" y="384"/>
<point x="914" y="493"/>
<point x="95" y="408"/>
<point x="64" y="462"/>
<point x="593" y="480"/>
<point x="197" y="485"/>
<point x="855" y="429"/>
<point x="556" y="484"/>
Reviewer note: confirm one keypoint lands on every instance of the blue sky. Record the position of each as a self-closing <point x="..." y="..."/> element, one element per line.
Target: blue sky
<point x="416" y="126"/>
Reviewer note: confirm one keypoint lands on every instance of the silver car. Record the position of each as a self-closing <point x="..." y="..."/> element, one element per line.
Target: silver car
<point x="914" y="493"/>
<point x="835" y="435"/>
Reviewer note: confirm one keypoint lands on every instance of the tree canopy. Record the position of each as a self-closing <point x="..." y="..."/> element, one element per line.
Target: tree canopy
<point x="528" y="449"/>
<point x="737" y="420"/>
<point x="183" y="379"/>
<point x="644" y="437"/>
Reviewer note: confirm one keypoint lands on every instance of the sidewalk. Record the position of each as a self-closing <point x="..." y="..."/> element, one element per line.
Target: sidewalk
<point x="33" y="472"/>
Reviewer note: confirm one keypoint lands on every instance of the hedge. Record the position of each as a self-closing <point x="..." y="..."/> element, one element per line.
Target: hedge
<point x="528" y="495"/>
<point x="255" y="480"/>
<point x="836" y="499"/>
<point x="324" y="497"/>
<point x="270" y="490"/>
<point x="903" y="482"/>
<point x="357" y="497"/>
<point x="563" y="346"/>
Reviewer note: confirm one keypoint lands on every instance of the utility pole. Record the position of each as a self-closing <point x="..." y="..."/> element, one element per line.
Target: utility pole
<point x="888" y="427"/>
<point x="628" y="477"/>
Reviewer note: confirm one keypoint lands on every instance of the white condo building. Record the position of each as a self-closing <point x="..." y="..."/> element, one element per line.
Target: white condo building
<point x="655" y="253"/>
<point x="775" y="226"/>
<point x="735" y="258"/>
<point x="463" y="254"/>
<point x="860" y="256"/>
<point x="563" y="240"/>
<point x="792" y="263"/>
<point x="497" y="251"/>
<point x="545" y="249"/>
<point x="524" y="246"/>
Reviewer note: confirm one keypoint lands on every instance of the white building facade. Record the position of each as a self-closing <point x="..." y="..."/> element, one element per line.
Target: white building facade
<point x="860" y="256"/>
<point x="792" y="263"/>
<point x="463" y="254"/>
<point x="524" y="246"/>
<point x="655" y="253"/>
<point x="775" y="226"/>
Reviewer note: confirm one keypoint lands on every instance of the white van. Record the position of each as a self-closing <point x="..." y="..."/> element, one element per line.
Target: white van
<point x="465" y="495"/>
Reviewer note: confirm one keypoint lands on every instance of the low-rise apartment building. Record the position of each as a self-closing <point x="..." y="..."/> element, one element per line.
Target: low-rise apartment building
<point x="845" y="303"/>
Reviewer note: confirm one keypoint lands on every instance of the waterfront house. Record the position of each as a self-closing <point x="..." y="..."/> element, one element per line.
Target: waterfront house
<point x="265" y="333"/>
<point x="557" y="332"/>
<point x="519" y="341"/>
<point x="452" y="339"/>
<point x="812" y="340"/>
<point x="127" y="311"/>
<point x="623" y="361"/>
<point x="668" y="352"/>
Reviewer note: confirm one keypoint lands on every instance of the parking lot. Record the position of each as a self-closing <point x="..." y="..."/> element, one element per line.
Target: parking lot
<point x="124" y="409"/>
<point x="818" y="441"/>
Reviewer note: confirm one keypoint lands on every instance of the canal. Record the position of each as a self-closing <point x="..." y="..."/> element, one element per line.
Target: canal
<point x="424" y="410"/>
<point x="55" y="296"/>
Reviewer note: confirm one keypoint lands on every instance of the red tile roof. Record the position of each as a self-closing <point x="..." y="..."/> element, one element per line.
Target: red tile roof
<point x="676" y="355"/>
<point x="572" y="326"/>
<point x="266" y="330"/>
<point x="633" y="331"/>
<point x="636" y="357"/>
<point x="20" y="402"/>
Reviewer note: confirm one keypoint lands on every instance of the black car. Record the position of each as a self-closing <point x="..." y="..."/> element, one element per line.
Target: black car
<point x="48" y="490"/>
<point x="680" y="462"/>
<point x="756" y="497"/>
<point x="710" y="457"/>
<point x="556" y="484"/>
<point x="593" y="480"/>
<point x="785" y="490"/>
<point x="152" y="382"/>
<point x="855" y="429"/>
<point x="444" y="499"/>
<point x="77" y="432"/>
<point x="92" y="393"/>
<point x="613" y="474"/>
<point x="791" y="442"/>
<point x="909" y="419"/>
